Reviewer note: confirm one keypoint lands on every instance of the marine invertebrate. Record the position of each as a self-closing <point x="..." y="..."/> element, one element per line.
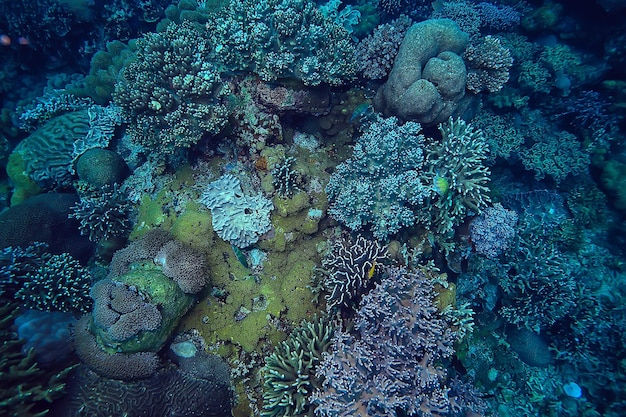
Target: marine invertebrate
<point x="285" y="179"/>
<point x="428" y="79"/>
<point x="124" y="366"/>
<point x="173" y="94"/>
<point x="44" y="281"/>
<point x="377" y="51"/>
<point x="492" y="231"/>
<point x="186" y="266"/>
<point x="381" y="183"/>
<point x="459" y="160"/>
<point x="290" y="371"/>
<point x="350" y="266"/>
<point x="393" y="366"/>
<point x="488" y="64"/>
<point x="237" y="218"/>
<point x="103" y="213"/>
<point x="279" y="39"/>
<point x="27" y="390"/>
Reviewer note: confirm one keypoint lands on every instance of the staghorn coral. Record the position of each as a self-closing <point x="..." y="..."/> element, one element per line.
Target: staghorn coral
<point x="172" y="94"/>
<point x="290" y="371"/>
<point x="349" y="267"/>
<point x="103" y="213"/>
<point x="394" y="365"/>
<point x="44" y="281"/>
<point x="237" y="218"/>
<point x="488" y="65"/>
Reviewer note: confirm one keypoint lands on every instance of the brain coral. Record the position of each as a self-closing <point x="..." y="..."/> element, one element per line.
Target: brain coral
<point x="238" y="218"/>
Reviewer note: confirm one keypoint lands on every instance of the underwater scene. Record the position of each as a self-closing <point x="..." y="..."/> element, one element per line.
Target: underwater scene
<point x="312" y="208"/>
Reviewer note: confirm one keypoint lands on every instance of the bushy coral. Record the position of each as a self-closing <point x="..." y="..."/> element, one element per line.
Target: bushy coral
<point x="375" y="53"/>
<point x="103" y="213"/>
<point x="379" y="186"/>
<point x="173" y="93"/>
<point x="44" y="281"/>
<point x="556" y="155"/>
<point x="492" y="231"/>
<point x="350" y="265"/>
<point x="283" y="39"/>
<point x="290" y="371"/>
<point x="457" y="171"/>
<point x="393" y="366"/>
<point x="237" y="218"/>
<point x="488" y="65"/>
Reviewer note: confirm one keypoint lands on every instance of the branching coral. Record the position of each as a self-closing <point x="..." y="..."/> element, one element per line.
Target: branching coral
<point x="488" y="65"/>
<point x="172" y="94"/>
<point x="290" y="372"/>
<point x="44" y="281"/>
<point x="282" y="39"/>
<point x="393" y="366"/>
<point x="381" y="183"/>
<point x="103" y="213"/>
<point x="350" y="265"/>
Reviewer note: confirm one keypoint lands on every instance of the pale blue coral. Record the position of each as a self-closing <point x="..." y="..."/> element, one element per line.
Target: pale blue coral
<point x="237" y="218"/>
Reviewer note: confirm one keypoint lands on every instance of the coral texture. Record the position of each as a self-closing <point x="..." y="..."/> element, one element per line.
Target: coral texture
<point x="381" y="183"/>
<point x="186" y="266"/>
<point x="488" y="65"/>
<point x="393" y="366"/>
<point x="44" y="281"/>
<point x="290" y="372"/>
<point x="283" y="39"/>
<point x="237" y="218"/>
<point x="350" y="265"/>
<point x="172" y="94"/>
<point x="427" y="82"/>
<point x="492" y="231"/>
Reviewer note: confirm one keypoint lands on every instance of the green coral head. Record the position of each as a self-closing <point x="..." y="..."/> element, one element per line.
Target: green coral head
<point x="440" y="185"/>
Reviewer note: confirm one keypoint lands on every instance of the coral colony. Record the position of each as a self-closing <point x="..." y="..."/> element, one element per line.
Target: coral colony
<point x="297" y="208"/>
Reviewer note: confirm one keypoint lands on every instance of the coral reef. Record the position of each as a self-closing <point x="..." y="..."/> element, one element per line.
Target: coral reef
<point x="492" y="231"/>
<point x="290" y="371"/>
<point x="103" y="213"/>
<point x="394" y="365"/>
<point x="173" y="94"/>
<point x="279" y="39"/>
<point x="44" y="281"/>
<point x="349" y="267"/>
<point x="488" y="64"/>
<point x="381" y="183"/>
<point x="427" y="82"/>
<point x="26" y="389"/>
<point x="237" y="218"/>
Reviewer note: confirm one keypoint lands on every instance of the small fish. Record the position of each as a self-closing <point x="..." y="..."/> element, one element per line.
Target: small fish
<point x="440" y="185"/>
<point x="240" y="256"/>
<point x="362" y="112"/>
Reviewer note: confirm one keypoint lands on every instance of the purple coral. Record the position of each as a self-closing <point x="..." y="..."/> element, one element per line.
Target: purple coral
<point x="393" y="364"/>
<point x="125" y="366"/>
<point x="492" y="231"/>
<point x="122" y="312"/>
<point x="145" y="248"/>
<point x="183" y="264"/>
<point x="376" y="52"/>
